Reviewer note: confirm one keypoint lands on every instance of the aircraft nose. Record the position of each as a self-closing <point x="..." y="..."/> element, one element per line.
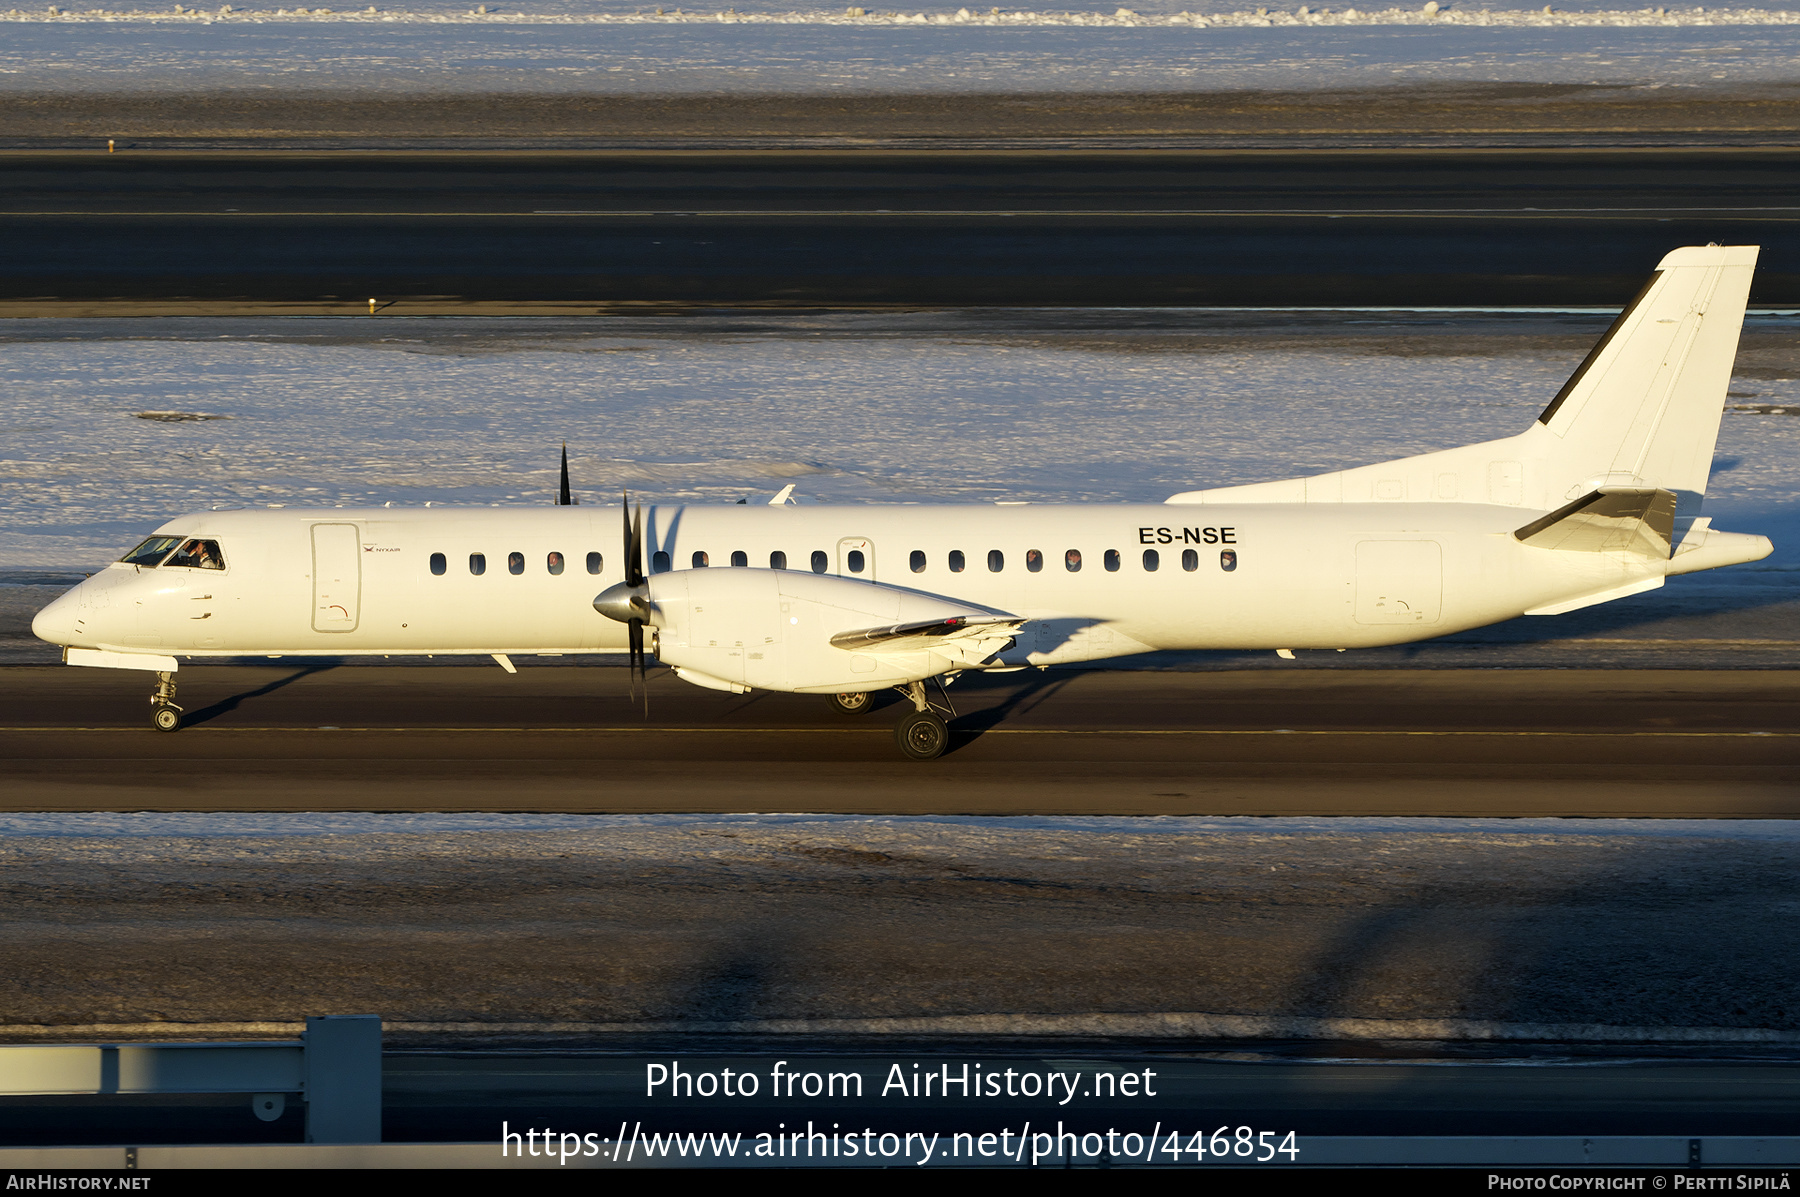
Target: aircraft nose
<point x="56" y="623"/>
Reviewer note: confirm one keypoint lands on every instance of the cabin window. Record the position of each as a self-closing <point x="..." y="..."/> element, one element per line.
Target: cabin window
<point x="740" y="558"/>
<point x="151" y="551"/>
<point x="594" y="563"/>
<point x="1190" y="560"/>
<point x="1034" y="560"/>
<point x="1228" y="560"/>
<point x="197" y="554"/>
<point x="438" y="564"/>
<point x="478" y="563"/>
<point x="917" y="561"/>
<point x="699" y="560"/>
<point x="515" y="563"/>
<point x="1112" y="561"/>
<point x="996" y="561"/>
<point x="956" y="561"/>
<point x="1072" y="561"/>
<point x="1152" y="560"/>
<point x="820" y="562"/>
<point x="554" y="563"/>
<point x="659" y="562"/>
<point x="778" y="560"/>
<point x="855" y="560"/>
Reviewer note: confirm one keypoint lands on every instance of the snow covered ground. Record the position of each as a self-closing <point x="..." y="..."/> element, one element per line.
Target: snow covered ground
<point x="766" y="48"/>
<point x="850" y="408"/>
<point x="467" y="928"/>
<point x="149" y="832"/>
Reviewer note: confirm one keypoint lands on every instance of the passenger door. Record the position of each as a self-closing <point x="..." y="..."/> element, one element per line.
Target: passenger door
<point x="337" y="577"/>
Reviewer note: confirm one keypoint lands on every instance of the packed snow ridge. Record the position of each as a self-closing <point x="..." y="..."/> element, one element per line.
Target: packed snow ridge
<point x="1430" y="14"/>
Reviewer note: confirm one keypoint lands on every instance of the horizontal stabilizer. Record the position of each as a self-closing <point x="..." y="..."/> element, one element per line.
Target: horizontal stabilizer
<point x="1609" y="520"/>
<point x="928" y="633"/>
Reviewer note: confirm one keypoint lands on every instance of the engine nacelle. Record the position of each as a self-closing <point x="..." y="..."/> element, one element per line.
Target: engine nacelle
<point x="767" y="629"/>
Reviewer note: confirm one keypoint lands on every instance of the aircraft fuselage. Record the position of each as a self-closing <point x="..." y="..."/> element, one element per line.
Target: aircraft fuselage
<point x="1094" y="581"/>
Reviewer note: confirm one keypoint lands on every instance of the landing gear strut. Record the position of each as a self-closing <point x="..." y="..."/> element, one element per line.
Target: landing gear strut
<point x="164" y="714"/>
<point x="923" y="735"/>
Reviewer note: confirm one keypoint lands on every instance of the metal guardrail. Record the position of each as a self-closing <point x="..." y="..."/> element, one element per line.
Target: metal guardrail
<point x="334" y="1067"/>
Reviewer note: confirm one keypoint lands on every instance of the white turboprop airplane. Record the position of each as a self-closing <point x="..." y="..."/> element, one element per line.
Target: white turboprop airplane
<point x="1598" y="499"/>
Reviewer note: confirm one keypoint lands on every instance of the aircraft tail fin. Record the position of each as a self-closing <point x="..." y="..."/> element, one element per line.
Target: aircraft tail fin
<point x="1644" y="408"/>
<point x="1640" y="413"/>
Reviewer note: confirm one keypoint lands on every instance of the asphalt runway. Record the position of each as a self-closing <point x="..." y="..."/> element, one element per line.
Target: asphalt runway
<point x="300" y="736"/>
<point x="87" y="232"/>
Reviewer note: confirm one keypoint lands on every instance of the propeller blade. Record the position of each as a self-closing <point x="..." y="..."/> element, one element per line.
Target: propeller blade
<point x="625" y="512"/>
<point x="563" y="498"/>
<point x="634" y="578"/>
<point x="640" y="681"/>
<point x="634" y="548"/>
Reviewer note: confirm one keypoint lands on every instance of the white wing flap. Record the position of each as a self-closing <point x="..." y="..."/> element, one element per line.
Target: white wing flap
<point x="929" y="633"/>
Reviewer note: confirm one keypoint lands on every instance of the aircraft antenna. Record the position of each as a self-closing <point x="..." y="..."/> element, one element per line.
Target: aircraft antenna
<point x="563" y="497"/>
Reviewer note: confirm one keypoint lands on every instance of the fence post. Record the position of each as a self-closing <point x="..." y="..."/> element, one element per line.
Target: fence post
<point x="343" y="1079"/>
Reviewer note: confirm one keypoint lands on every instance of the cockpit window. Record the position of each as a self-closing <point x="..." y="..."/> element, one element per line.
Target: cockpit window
<point x="197" y="554"/>
<point x="151" y="552"/>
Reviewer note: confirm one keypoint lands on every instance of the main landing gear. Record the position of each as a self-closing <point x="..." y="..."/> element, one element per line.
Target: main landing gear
<point x="853" y="703"/>
<point x="923" y="735"/>
<point x="164" y="714"/>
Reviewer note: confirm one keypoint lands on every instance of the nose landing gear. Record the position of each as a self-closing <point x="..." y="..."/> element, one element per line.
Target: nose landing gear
<point x="164" y="714"/>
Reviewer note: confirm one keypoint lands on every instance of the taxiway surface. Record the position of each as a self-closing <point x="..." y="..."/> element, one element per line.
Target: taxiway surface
<point x="309" y="736"/>
<point x="162" y="232"/>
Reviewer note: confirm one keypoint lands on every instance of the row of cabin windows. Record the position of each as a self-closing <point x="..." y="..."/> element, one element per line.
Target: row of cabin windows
<point x="820" y="562"/>
<point x="515" y="563"/>
<point x="855" y="560"/>
<point x="1111" y="559"/>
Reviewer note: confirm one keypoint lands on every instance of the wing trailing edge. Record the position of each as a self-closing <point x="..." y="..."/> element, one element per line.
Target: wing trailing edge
<point x="928" y="633"/>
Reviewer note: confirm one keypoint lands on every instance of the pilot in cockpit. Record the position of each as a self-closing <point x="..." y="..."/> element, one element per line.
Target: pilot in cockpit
<point x="197" y="554"/>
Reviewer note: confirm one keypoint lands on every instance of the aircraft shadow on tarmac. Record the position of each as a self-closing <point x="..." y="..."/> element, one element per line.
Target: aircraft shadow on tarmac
<point x="972" y="697"/>
<point x="229" y="704"/>
<point x="1017" y="698"/>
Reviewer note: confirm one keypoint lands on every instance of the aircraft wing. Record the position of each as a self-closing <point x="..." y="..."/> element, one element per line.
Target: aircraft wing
<point x="929" y="633"/>
<point x="1611" y="519"/>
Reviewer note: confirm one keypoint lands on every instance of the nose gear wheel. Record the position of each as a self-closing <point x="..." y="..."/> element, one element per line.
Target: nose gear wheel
<point x="164" y="714"/>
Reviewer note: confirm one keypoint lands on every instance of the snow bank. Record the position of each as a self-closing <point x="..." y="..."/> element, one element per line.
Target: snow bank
<point x="771" y="53"/>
